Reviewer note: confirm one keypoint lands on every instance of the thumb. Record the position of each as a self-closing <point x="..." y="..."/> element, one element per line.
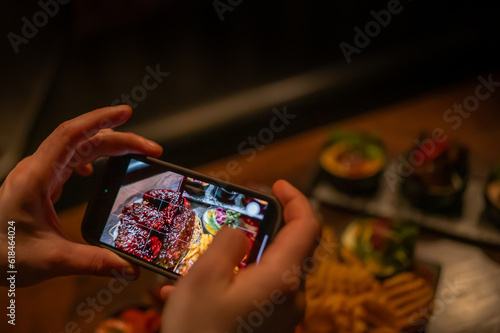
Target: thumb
<point x="84" y="259"/>
<point x="223" y="255"/>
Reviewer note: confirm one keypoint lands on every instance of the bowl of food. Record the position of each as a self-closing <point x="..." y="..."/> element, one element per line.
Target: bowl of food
<point x="353" y="162"/>
<point x="435" y="176"/>
<point x="384" y="247"/>
<point x="215" y="218"/>
<point x="492" y="197"/>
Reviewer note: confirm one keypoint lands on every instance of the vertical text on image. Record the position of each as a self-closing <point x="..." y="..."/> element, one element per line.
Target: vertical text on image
<point x="11" y="271"/>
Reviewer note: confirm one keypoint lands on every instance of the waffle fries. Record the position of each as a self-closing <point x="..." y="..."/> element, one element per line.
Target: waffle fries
<point x="404" y="294"/>
<point x="347" y="298"/>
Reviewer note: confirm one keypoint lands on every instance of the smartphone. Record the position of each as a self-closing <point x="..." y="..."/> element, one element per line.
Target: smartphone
<point x="163" y="217"/>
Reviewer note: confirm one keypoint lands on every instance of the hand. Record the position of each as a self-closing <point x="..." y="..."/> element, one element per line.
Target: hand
<point x="211" y="298"/>
<point x="29" y="191"/>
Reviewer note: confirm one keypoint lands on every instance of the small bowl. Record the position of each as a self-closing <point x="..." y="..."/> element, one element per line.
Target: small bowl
<point x="362" y="187"/>
<point x="440" y="199"/>
<point x="350" y="144"/>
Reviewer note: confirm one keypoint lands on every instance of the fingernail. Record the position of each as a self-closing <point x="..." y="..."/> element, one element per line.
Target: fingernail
<point x="122" y="112"/>
<point x="122" y="107"/>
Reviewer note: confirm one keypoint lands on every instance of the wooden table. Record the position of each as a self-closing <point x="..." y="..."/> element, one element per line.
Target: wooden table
<point x="65" y="304"/>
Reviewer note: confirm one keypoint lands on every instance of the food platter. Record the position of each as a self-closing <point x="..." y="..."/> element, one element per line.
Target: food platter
<point x="388" y="202"/>
<point x="436" y="183"/>
<point x="343" y="295"/>
<point x="172" y="227"/>
<point x="198" y="243"/>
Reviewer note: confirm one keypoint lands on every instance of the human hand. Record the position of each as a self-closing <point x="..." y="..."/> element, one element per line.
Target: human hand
<point x="211" y="298"/>
<point x="29" y="191"/>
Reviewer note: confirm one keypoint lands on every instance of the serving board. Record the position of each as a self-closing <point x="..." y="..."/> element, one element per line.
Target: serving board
<point x="388" y="202"/>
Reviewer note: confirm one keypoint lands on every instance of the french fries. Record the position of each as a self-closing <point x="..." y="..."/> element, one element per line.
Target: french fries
<point x="197" y="248"/>
<point x="347" y="298"/>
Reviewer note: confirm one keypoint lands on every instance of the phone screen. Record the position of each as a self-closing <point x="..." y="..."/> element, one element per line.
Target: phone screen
<point x="169" y="219"/>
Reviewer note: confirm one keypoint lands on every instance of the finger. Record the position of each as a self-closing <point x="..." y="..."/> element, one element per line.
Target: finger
<point x="293" y="201"/>
<point x="85" y="169"/>
<point x="81" y="259"/>
<point x="110" y="143"/>
<point x="166" y="291"/>
<point x="217" y="264"/>
<point x="297" y="238"/>
<point x="58" y="148"/>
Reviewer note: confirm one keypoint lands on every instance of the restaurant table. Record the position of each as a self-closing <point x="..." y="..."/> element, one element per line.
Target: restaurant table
<point x="68" y="304"/>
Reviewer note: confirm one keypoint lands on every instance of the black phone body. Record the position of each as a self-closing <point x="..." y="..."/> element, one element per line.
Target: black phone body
<point x="163" y="217"/>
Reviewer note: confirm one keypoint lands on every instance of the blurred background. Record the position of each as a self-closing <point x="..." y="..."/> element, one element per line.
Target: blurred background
<point x="204" y="76"/>
<point x="229" y="63"/>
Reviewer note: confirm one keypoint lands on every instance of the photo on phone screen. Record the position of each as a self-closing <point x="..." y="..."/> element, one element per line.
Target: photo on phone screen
<point x="169" y="219"/>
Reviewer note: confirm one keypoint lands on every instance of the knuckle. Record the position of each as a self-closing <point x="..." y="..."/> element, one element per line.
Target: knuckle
<point x="22" y="168"/>
<point x="56" y="258"/>
<point x="65" y="127"/>
<point x="97" y="264"/>
<point x="97" y="138"/>
<point x="68" y="132"/>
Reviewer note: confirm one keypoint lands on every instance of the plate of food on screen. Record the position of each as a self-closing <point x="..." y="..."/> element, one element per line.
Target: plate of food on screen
<point x="160" y="229"/>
